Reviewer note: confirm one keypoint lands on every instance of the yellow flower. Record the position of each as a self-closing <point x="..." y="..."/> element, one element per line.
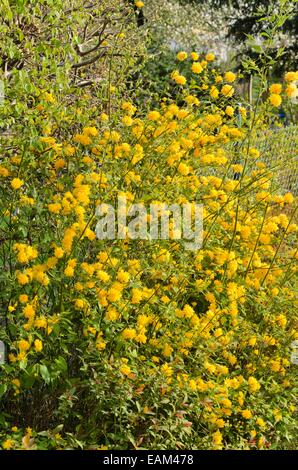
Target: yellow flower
<point x="242" y="112"/>
<point x="100" y="344"/>
<point x="275" y="365"/>
<point x="217" y="438"/>
<point x="4" y="171"/>
<point x="183" y="169"/>
<point x="230" y="77"/>
<point x="26" y="253"/>
<point x="16" y="382"/>
<point x="253" y="384"/>
<point x="277" y="415"/>
<point x="275" y="100"/>
<point x="104" y="117"/>
<point x="281" y="320"/>
<point x="123" y="276"/>
<point x="252" y="341"/>
<point x="40" y="322"/>
<point x="218" y="332"/>
<point x="55" y="208"/>
<point x="139" y="4"/>
<point x="102" y="276"/>
<point x="166" y="370"/>
<point x="59" y="252"/>
<point x="153" y="115"/>
<point x="276" y="88"/>
<point x="69" y="150"/>
<point x="48" y="140"/>
<point x="67" y="241"/>
<point x="29" y="311"/>
<point x="49" y="97"/>
<point x="220" y="423"/>
<point x="260" y="422"/>
<point x="196" y="67"/>
<point x="90" y="131"/>
<point x="179" y="79"/>
<point x="82" y="139"/>
<point x="128" y="107"/>
<point x="261" y="442"/>
<point x="8" y="444"/>
<point x="182" y="55"/>
<point x="69" y="271"/>
<point x="210" y="57"/>
<point x="292" y="90"/>
<point x="129" y="333"/>
<point x="127" y="121"/>
<point x="114" y="294"/>
<point x="22" y="278"/>
<point x="227" y="90"/>
<point x="291" y="76"/>
<point x="137" y="296"/>
<point x="167" y="350"/>
<point x="38" y="345"/>
<point x="12" y="358"/>
<point x="125" y="369"/>
<point x="194" y="56"/>
<point x="226" y="403"/>
<point x="80" y="304"/>
<point x="190" y="99"/>
<point x="229" y="111"/>
<point x="246" y="414"/>
<point x="16" y="183"/>
<point x="214" y="92"/>
<point x="23" y="345"/>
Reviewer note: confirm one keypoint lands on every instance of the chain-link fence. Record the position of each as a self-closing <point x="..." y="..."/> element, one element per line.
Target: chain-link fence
<point x="279" y="150"/>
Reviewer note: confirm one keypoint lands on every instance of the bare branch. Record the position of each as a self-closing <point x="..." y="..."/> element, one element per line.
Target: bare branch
<point x="91" y="60"/>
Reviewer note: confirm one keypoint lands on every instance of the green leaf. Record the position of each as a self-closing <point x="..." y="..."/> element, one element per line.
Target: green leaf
<point x="30" y="376"/>
<point x="3" y="388"/>
<point x="45" y="374"/>
<point x="256" y="48"/>
<point x="61" y="363"/>
<point x="23" y="364"/>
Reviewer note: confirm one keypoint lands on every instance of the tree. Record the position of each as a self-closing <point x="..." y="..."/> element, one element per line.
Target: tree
<point x="243" y="18"/>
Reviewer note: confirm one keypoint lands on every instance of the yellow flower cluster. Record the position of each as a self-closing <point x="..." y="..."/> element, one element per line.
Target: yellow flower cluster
<point x="290" y="89"/>
<point x="206" y="330"/>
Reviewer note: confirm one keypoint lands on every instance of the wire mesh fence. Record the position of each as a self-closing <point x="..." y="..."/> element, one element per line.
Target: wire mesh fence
<point x="279" y="151"/>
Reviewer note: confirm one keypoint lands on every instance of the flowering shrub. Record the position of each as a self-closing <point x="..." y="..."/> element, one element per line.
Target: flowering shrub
<point x="140" y="343"/>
